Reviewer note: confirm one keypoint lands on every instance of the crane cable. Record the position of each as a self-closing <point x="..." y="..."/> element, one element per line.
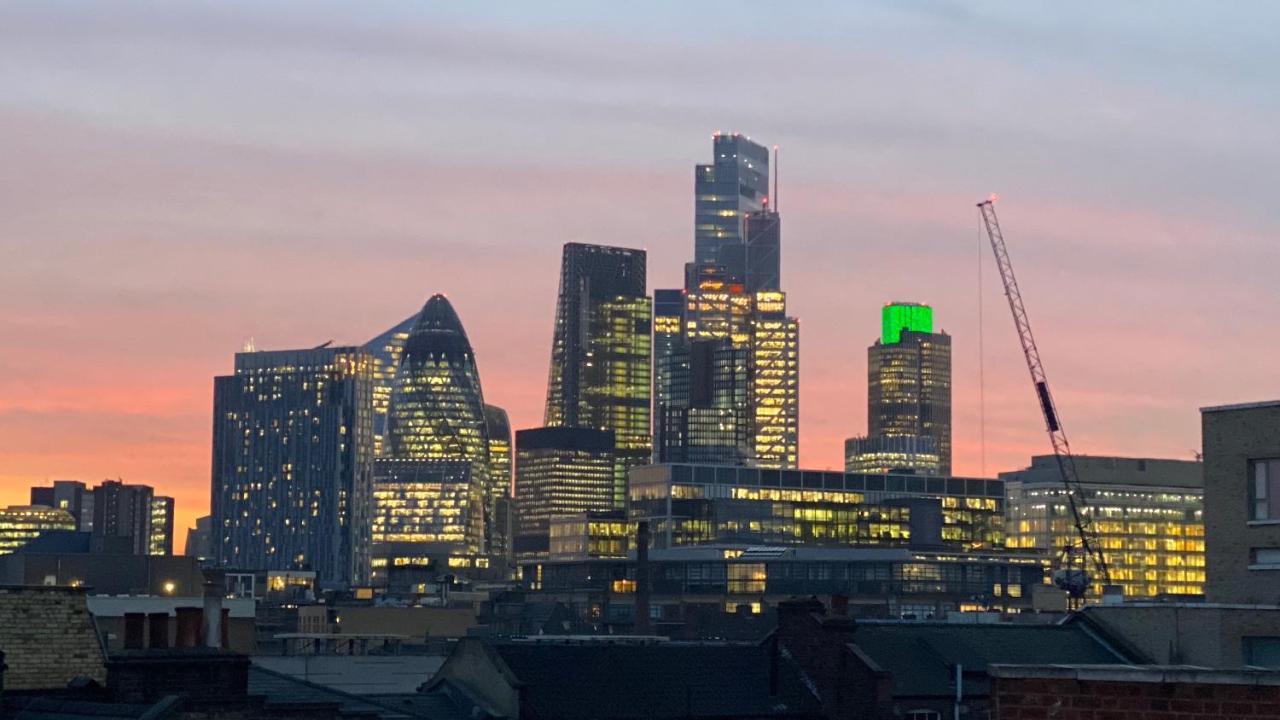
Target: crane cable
<point x="982" y="384"/>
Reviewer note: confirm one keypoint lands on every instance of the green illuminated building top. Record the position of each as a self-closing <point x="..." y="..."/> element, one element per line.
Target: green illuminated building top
<point x="897" y="317"/>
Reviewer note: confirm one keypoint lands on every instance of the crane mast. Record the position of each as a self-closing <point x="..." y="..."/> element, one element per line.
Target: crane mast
<point x="1073" y="491"/>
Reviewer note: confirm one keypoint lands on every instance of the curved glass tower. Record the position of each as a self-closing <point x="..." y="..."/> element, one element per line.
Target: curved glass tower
<point x="437" y="414"/>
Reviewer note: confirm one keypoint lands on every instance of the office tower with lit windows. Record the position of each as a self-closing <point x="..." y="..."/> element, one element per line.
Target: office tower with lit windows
<point x="20" y="524"/>
<point x="69" y="495"/>
<point x="499" y="493"/>
<point x="385" y="350"/>
<point x="727" y="356"/>
<point x="161" y="537"/>
<point x="559" y="471"/>
<point x="1148" y="515"/>
<point x="437" y="414"/>
<point x="601" y="358"/>
<point x="734" y="184"/>
<point x="729" y="388"/>
<point x="425" y="512"/>
<point x="908" y="395"/>
<point x="293" y="463"/>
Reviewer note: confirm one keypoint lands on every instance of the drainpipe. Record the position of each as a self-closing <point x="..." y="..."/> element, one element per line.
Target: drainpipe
<point x="959" y="689"/>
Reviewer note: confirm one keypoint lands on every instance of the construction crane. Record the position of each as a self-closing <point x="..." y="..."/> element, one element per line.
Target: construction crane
<point x="1074" y="580"/>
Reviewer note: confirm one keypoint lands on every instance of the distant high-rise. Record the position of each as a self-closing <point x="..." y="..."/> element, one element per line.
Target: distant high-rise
<point x="161" y="539"/>
<point x="140" y="520"/>
<point x="292" y="463"/>
<point x="386" y="350"/>
<point x="734" y="184"/>
<point x="121" y="510"/>
<point x="499" y="493"/>
<point x="727" y="356"/>
<point x="559" y="471"/>
<point x="69" y="495"/>
<point x="909" y="392"/>
<point x="601" y="359"/>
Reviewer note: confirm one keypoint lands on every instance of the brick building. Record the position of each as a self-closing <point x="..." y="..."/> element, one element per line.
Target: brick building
<point x="48" y="638"/>
<point x="1242" y="502"/>
<point x="1152" y="692"/>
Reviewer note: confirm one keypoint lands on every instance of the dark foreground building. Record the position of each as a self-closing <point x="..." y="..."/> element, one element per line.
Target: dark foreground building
<point x="599" y="679"/>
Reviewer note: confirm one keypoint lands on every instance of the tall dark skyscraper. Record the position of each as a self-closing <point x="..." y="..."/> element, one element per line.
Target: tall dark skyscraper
<point x="601" y="354"/>
<point x="292" y="463"/>
<point x="437" y="414"/>
<point x="908" y="397"/>
<point x="734" y="184"/>
<point x="727" y="356"/>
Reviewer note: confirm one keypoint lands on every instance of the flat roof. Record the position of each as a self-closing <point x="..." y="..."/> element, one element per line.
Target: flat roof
<point x="1140" y="674"/>
<point x="1241" y="406"/>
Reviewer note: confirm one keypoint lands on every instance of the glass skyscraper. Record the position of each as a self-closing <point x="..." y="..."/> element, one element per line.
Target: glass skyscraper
<point x="437" y="409"/>
<point x="292" y="463"/>
<point x="601" y="353"/>
<point x="727" y="356"/>
<point x="385" y="351"/>
<point x="908" y="395"/>
<point x="734" y="184"/>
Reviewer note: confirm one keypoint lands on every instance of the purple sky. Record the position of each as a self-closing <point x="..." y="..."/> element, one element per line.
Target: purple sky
<point x="180" y="177"/>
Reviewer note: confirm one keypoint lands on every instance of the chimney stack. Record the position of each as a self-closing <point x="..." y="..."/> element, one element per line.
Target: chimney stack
<point x="135" y="625"/>
<point x="212" y="626"/>
<point x="188" y="635"/>
<point x="158" y="630"/>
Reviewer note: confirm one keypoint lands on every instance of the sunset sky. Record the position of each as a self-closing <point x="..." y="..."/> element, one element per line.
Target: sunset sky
<point x="176" y="178"/>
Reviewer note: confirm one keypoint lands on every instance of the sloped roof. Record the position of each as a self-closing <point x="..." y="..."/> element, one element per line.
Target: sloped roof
<point x="922" y="656"/>
<point x="663" y="680"/>
<point x="57" y="708"/>
<point x="280" y="690"/>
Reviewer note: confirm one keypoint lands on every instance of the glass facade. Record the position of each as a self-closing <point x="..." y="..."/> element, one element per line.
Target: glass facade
<point x="702" y="504"/>
<point x="20" y="524"/>
<point x="292" y="463"/>
<point x="601" y="354"/>
<point x="729" y="388"/>
<point x="423" y="506"/>
<point x="909" y="454"/>
<point x="559" y="471"/>
<point x="734" y="184"/>
<point x="914" y="584"/>
<point x="437" y="411"/>
<point x="604" y="534"/>
<point x="498" y="508"/>
<point x="161" y="542"/>
<point x="1148" y="515"/>
<point x="909" y="387"/>
<point x="385" y="350"/>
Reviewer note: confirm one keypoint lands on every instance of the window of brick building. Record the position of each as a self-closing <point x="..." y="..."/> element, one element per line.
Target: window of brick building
<point x="1264" y="489"/>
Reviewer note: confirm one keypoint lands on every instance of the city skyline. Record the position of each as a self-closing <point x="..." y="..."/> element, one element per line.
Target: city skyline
<point x="1116" y="251"/>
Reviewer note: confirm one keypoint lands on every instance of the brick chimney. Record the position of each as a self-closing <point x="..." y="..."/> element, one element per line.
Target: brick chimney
<point x="819" y="644"/>
<point x="158" y="630"/>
